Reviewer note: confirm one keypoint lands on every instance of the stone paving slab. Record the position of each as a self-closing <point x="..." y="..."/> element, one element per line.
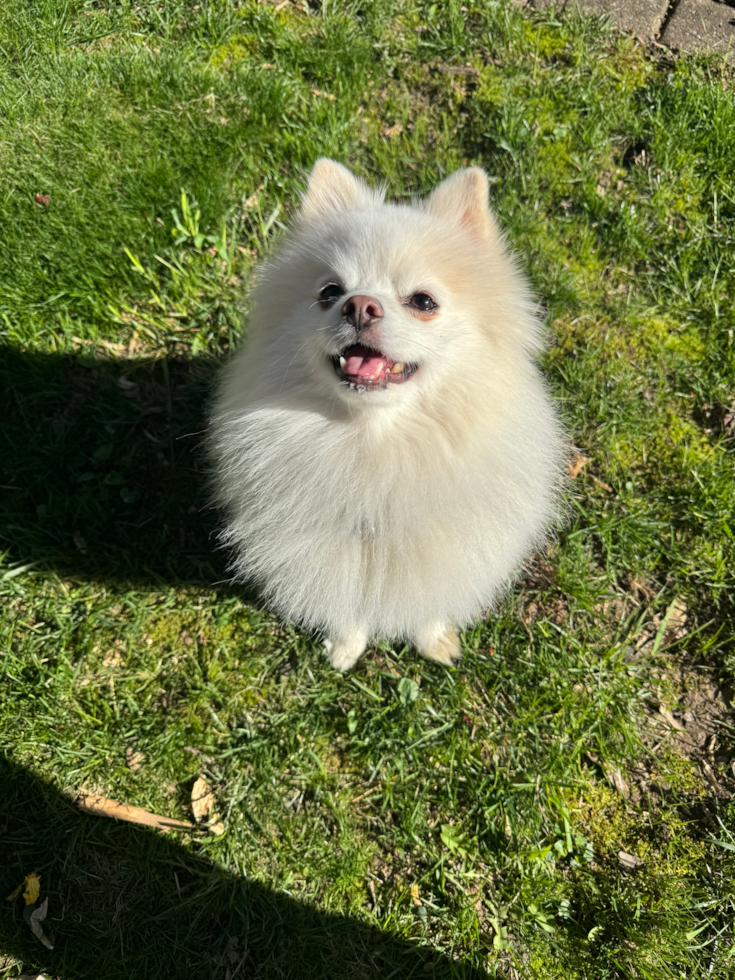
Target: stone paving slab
<point x="702" y="25"/>
<point x="644" y="17"/>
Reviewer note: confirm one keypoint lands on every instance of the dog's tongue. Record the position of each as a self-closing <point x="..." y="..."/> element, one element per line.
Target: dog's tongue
<point x="362" y="362"/>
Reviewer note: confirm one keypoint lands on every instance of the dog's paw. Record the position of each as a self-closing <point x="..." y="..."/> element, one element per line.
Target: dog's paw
<point x="441" y="645"/>
<point x="345" y="650"/>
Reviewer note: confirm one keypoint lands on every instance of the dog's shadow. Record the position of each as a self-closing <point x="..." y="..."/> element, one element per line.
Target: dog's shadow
<point x="103" y="468"/>
<point x="104" y="479"/>
<point x="129" y="903"/>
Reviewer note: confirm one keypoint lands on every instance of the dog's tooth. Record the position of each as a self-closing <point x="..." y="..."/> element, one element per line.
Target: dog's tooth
<point x="397" y="368"/>
<point x="342" y="362"/>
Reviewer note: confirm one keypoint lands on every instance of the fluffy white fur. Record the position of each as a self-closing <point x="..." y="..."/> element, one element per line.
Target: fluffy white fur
<point x="399" y="513"/>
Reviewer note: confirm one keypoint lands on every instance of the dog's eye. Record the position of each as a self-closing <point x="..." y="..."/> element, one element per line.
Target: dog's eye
<point x="422" y="302"/>
<point x="330" y="293"/>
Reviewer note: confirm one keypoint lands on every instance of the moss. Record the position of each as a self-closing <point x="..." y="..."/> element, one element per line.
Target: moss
<point x="491" y="86"/>
<point x="545" y="41"/>
<point x="238" y="48"/>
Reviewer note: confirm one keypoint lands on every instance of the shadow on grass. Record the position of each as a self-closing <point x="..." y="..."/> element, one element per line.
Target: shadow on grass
<point x="103" y="468"/>
<point x="131" y="903"/>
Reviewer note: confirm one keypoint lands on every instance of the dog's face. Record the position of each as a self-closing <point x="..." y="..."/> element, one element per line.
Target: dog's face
<point x="383" y="301"/>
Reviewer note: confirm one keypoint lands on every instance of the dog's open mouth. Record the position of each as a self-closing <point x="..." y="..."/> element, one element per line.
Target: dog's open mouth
<point x="365" y="368"/>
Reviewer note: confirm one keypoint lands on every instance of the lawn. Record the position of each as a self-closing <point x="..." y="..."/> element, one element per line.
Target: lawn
<point x="559" y="805"/>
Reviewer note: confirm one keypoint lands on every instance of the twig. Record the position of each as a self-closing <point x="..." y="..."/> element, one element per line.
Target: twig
<point x="102" y="806"/>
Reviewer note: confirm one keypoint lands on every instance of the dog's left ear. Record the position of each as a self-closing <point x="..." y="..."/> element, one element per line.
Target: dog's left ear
<point x="463" y="198"/>
<point x="333" y="188"/>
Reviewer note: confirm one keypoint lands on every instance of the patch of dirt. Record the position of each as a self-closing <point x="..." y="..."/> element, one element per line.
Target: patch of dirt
<point x="539" y="576"/>
<point x="700" y="727"/>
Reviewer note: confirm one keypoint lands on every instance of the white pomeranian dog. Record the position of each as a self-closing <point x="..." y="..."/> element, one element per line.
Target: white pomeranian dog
<point x="385" y="446"/>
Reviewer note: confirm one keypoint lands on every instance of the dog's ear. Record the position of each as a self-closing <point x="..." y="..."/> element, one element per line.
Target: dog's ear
<point x="333" y="188"/>
<point x="462" y="198"/>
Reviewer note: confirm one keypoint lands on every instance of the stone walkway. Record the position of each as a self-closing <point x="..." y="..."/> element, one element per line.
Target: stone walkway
<point x="683" y="25"/>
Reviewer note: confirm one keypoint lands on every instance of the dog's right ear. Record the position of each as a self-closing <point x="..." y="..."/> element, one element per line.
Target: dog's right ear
<point x="333" y="188"/>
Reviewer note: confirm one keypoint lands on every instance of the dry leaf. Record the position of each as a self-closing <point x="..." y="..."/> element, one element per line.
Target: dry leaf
<point x="101" y="806"/>
<point x="113" y="659"/>
<point x="216" y="826"/>
<point x="415" y="895"/>
<point x="134" y="760"/>
<point x="392" y="131"/>
<point x="202" y="806"/>
<point x="16" y="892"/>
<point x="629" y="861"/>
<point x="37" y="929"/>
<point x="202" y="799"/>
<point x="32" y="889"/>
<point x="576" y="464"/>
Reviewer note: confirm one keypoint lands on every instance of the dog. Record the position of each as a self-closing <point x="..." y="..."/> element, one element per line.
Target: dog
<point x="384" y="445"/>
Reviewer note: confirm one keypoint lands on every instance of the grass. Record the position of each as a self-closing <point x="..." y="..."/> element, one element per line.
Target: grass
<point x="557" y="807"/>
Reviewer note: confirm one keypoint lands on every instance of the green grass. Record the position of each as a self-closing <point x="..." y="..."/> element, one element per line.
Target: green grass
<point x="404" y="820"/>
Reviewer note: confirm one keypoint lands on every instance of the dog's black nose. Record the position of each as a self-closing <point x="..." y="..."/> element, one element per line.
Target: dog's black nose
<point x="362" y="311"/>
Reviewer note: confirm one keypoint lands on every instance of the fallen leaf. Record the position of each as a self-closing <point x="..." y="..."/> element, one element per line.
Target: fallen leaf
<point x="629" y="861"/>
<point x="202" y="799"/>
<point x="102" y="806"/>
<point x="576" y="464"/>
<point x="113" y="659"/>
<point x="16" y="892"/>
<point x="202" y="806"/>
<point x="393" y="131"/>
<point x="37" y="929"/>
<point x="32" y="889"/>
<point x="134" y="760"/>
<point x="216" y="826"/>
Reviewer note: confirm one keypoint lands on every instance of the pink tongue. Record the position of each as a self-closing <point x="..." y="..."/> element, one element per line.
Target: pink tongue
<point x="365" y="367"/>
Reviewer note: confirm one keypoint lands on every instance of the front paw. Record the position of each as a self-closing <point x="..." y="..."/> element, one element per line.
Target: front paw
<point x="441" y="645"/>
<point x="345" y="650"/>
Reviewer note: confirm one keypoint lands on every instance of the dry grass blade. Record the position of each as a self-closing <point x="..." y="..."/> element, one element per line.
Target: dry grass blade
<point x="102" y="806"/>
